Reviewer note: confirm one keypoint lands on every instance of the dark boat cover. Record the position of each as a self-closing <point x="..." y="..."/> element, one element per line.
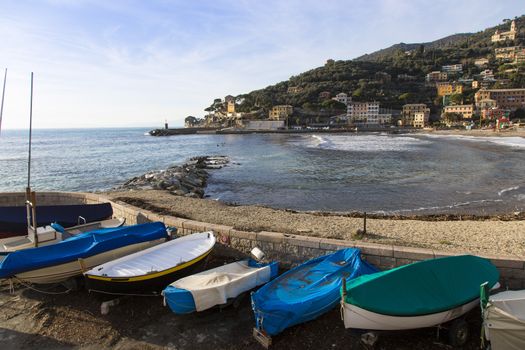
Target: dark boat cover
<point x="81" y="246"/>
<point x="13" y="219"/>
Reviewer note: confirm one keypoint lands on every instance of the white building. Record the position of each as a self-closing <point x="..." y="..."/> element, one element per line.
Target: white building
<point x="420" y="120"/>
<point x="343" y="98"/>
<point x="453" y="68"/>
<point x="481" y="62"/>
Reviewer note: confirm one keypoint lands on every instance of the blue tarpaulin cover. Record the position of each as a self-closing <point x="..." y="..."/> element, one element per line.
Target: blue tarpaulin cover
<point x="13" y="219"/>
<point x="307" y="291"/>
<point x="81" y="246"/>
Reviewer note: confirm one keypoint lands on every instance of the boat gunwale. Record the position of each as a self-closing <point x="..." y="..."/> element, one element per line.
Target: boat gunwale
<point x="152" y="275"/>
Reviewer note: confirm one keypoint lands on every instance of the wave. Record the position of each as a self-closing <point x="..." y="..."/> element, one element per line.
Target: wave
<point x="509" y="141"/>
<point x="366" y="143"/>
<point x="319" y="140"/>
<point x="508" y="190"/>
<point x="434" y="208"/>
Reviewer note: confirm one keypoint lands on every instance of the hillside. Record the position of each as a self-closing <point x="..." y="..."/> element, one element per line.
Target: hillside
<point x="442" y="43"/>
<point x="393" y="76"/>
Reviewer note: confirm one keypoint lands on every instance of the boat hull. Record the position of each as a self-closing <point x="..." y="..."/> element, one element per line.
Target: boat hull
<point x="357" y="318"/>
<point x="62" y="272"/>
<point x="151" y="270"/>
<point x="144" y="286"/>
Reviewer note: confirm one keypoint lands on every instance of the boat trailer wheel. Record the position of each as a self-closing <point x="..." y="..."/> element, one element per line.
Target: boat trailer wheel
<point x="458" y="332"/>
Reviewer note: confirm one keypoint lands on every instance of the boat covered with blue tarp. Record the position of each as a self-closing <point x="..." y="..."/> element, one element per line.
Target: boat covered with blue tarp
<point x="307" y="291"/>
<point x="13" y="220"/>
<point x="94" y="248"/>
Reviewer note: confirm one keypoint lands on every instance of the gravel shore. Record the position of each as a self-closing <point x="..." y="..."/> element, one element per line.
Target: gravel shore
<point x="492" y="235"/>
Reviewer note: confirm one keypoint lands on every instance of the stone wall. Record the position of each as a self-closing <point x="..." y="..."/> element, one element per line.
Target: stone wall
<point x="289" y="250"/>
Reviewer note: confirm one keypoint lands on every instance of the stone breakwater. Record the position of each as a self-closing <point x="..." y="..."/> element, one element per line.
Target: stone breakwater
<point x="188" y="179"/>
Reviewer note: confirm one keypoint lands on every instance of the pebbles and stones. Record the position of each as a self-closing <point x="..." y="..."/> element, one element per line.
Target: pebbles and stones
<point x="189" y="179"/>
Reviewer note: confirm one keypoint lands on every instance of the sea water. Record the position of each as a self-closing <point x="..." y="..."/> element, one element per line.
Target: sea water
<point x="373" y="172"/>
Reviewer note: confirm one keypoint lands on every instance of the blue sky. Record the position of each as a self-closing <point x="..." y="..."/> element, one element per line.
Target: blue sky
<point x="136" y="63"/>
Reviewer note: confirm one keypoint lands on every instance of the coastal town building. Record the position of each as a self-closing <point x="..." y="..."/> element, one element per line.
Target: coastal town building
<point x="364" y="113"/>
<point x="486" y="104"/>
<point x="481" y="62"/>
<point x="436" y="76"/>
<point x="465" y="81"/>
<point x="453" y="68"/>
<point x="230" y="103"/>
<point x="264" y="124"/>
<point x="324" y="95"/>
<point x="294" y="89"/>
<point x="406" y="77"/>
<point x="466" y="111"/>
<point x="409" y="114"/>
<point x="502" y="36"/>
<point x="510" y="99"/>
<point x="475" y="84"/>
<point x="507" y="53"/>
<point x="493" y="113"/>
<point x="420" y="120"/>
<point x="487" y="74"/>
<point x="343" y="98"/>
<point x="520" y="56"/>
<point x="448" y="88"/>
<point x="280" y="112"/>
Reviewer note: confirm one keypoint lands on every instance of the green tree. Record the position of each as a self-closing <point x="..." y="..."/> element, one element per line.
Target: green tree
<point x="456" y="99"/>
<point x="333" y="105"/>
<point x="452" y="118"/>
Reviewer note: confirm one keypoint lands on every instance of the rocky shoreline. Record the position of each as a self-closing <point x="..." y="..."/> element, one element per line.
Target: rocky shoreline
<point x="188" y="180"/>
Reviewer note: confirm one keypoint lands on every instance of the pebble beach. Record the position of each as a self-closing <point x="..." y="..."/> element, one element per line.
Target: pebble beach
<point x="491" y="235"/>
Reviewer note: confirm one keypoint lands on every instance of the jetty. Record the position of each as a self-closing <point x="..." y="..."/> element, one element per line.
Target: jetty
<point x="308" y="130"/>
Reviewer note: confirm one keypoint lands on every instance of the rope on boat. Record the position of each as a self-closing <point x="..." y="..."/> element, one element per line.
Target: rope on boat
<point x="125" y="294"/>
<point x="29" y="286"/>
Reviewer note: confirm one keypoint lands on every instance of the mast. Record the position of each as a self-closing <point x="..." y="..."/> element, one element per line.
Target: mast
<point x="30" y="195"/>
<point x="2" y="104"/>
<point x="30" y="134"/>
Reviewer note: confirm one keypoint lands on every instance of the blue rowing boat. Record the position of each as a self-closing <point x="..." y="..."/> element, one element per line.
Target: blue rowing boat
<point x="70" y="257"/>
<point x="307" y="291"/>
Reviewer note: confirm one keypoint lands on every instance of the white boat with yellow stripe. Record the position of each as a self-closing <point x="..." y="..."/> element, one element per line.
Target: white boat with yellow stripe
<point x="151" y="270"/>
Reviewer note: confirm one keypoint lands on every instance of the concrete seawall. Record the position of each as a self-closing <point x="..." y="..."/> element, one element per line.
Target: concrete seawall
<point x="289" y="250"/>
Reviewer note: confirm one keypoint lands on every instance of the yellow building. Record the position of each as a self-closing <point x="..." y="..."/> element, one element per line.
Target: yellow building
<point x="230" y="104"/>
<point x="502" y="36"/>
<point x="507" y="53"/>
<point x="294" y="89"/>
<point x="465" y="110"/>
<point x="280" y="112"/>
<point x="410" y="111"/>
<point x="448" y="88"/>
